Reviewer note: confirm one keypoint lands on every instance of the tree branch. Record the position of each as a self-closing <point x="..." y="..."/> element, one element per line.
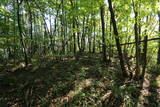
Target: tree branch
<point x="130" y="43"/>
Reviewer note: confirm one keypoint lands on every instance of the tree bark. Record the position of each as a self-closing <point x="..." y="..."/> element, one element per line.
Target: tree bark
<point x="21" y="33"/>
<point x="137" y="72"/>
<point x="74" y="36"/>
<point x="124" y="72"/>
<point x="94" y="38"/>
<point x="83" y="35"/>
<point x="103" y="34"/>
<point x="158" y="56"/>
<point x="144" y="56"/>
<point x="78" y="35"/>
<point x="30" y="31"/>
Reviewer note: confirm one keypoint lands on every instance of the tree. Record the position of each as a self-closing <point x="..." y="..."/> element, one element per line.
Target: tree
<point x="103" y="33"/>
<point x="20" y="31"/>
<point x="124" y="72"/>
<point x="137" y="39"/>
<point x="158" y="57"/>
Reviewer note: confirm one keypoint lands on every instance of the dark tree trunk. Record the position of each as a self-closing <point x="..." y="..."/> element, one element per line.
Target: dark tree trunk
<point x="89" y="39"/>
<point x="74" y="36"/>
<point x="124" y="72"/>
<point x="83" y="35"/>
<point x="144" y="56"/>
<point x="158" y="57"/>
<point x="15" y="32"/>
<point x="63" y="27"/>
<point x="103" y="34"/>
<point x="94" y="38"/>
<point x="73" y="26"/>
<point x="137" y="72"/>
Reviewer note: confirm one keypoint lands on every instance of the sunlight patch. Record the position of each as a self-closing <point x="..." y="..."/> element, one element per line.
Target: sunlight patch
<point x="79" y="86"/>
<point x="84" y="68"/>
<point x="158" y="81"/>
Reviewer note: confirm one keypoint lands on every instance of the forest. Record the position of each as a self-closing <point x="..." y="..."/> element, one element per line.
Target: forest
<point x="79" y="53"/>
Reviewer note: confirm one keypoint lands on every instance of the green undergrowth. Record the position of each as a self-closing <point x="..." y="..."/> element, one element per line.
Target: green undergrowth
<point x="86" y="82"/>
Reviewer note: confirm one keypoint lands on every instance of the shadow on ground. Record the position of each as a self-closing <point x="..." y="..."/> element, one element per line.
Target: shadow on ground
<point x="67" y="83"/>
<point x="52" y="82"/>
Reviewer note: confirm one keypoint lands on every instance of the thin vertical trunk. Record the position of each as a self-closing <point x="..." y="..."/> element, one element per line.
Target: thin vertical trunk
<point x="99" y="42"/>
<point x="44" y="36"/>
<point x="73" y="26"/>
<point x="158" y="57"/>
<point x="110" y="35"/>
<point x="78" y="35"/>
<point x="144" y="56"/>
<point x="89" y="39"/>
<point x="83" y="35"/>
<point x="63" y="27"/>
<point x="51" y="33"/>
<point x="30" y="31"/>
<point x="74" y="36"/>
<point x="139" y="36"/>
<point x="14" y="32"/>
<point x="124" y="72"/>
<point x="103" y="34"/>
<point x="21" y="33"/>
<point x="94" y="38"/>
<point x="137" y="72"/>
<point x="55" y="30"/>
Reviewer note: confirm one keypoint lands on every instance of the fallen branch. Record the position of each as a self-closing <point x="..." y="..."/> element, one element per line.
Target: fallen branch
<point x="130" y="43"/>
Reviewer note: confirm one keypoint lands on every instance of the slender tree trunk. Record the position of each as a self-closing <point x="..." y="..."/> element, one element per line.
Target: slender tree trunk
<point x="63" y="27"/>
<point x="51" y="34"/>
<point x="73" y="26"/>
<point x="89" y="39"/>
<point x="55" y="30"/>
<point x="158" y="57"/>
<point x="83" y="35"/>
<point x="94" y="38"/>
<point x="111" y="37"/>
<point x="103" y="34"/>
<point x="21" y="33"/>
<point x="14" y="5"/>
<point x="74" y="36"/>
<point x="124" y="72"/>
<point x="144" y="56"/>
<point x="30" y="31"/>
<point x="137" y="72"/>
<point x="78" y="35"/>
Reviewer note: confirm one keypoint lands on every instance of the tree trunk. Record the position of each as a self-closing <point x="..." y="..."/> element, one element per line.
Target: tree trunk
<point x="103" y="34"/>
<point x="124" y="72"/>
<point x="83" y="35"/>
<point x="30" y="31"/>
<point x="74" y="35"/>
<point x="144" y="56"/>
<point x="137" y="72"/>
<point x="94" y="38"/>
<point x="158" y="57"/>
<point x="21" y="33"/>
<point x="15" y="32"/>
<point x="78" y="35"/>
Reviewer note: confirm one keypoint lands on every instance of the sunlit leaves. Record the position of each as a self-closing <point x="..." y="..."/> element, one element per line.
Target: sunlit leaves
<point x="157" y="6"/>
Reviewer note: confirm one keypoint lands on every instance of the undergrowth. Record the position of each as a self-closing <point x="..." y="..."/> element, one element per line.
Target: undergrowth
<point x="68" y="83"/>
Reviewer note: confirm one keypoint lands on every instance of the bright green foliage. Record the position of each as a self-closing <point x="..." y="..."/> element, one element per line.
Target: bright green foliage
<point x="62" y="41"/>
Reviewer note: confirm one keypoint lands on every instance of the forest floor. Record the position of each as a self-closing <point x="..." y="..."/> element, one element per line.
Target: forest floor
<point x="68" y="83"/>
